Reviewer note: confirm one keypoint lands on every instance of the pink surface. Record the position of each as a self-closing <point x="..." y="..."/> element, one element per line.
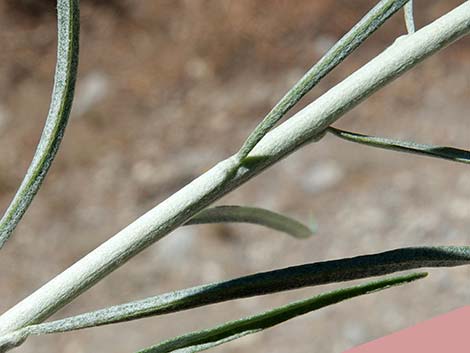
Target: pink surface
<point x="448" y="333"/>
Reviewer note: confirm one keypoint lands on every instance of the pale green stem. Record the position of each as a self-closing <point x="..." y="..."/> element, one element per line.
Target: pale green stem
<point x="409" y="17"/>
<point x="340" y="51"/>
<point x="296" y="132"/>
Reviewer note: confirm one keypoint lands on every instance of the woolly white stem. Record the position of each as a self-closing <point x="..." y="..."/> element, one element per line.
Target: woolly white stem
<point x="306" y="126"/>
<point x="409" y="17"/>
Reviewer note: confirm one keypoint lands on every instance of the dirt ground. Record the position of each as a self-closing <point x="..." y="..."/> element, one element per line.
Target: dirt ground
<point x="166" y="89"/>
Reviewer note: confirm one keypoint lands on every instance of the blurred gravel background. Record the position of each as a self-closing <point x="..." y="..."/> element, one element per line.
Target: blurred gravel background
<point x="166" y="89"/>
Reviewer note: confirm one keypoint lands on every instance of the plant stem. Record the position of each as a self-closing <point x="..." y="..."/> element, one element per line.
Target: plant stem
<point x="340" y="51"/>
<point x="409" y="17"/>
<point x="305" y="126"/>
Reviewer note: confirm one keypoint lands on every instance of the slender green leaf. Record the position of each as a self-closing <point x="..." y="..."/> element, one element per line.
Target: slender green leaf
<point x="449" y="153"/>
<point x="345" y="46"/>
<point x="59" y="110"/>
<point x="205" y="339"/>
<point x="265" y="283"/>
<point x="253" y="215"/>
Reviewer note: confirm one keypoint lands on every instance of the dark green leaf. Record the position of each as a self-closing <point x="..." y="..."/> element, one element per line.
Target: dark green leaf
<point x="205" y="339"/>
<point x="449" y="153"/>
<point x="265" y="283"/>
<point x="252" y="215"/>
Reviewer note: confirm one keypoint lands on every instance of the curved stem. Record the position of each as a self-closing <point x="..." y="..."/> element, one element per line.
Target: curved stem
<point x="59" y="111"/>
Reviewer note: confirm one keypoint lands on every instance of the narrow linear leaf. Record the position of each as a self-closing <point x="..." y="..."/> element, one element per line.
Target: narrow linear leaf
<point x="345" y="46"/>
<point x="205" y="339"/>
<point x="265" y="283"/>
<point x="59" y="110"/>
<point x="252" y="215"/>
<point x="443" y="152"/>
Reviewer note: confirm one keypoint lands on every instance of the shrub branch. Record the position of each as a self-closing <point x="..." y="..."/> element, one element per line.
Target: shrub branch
<point x="306" y="126"/>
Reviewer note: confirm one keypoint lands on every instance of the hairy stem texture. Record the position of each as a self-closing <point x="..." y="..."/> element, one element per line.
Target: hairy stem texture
<point x="304" y="127"/>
